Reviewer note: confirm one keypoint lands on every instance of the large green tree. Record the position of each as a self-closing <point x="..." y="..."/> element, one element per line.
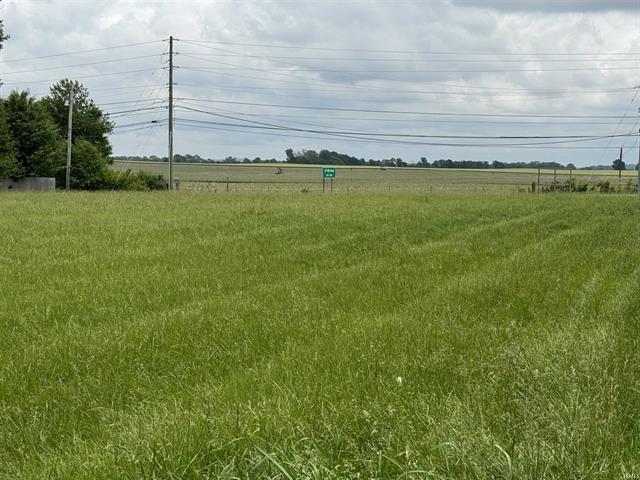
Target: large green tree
<point x="89" y="122"/>
<point x="3" y="36"/>
<point x="38" y="144"/>
<point x="618" y="163"/>
<point x="8" y="164"/>
<point x="88" y="167"/>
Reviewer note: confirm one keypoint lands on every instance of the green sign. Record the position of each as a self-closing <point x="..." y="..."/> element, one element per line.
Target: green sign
<point x="328" y="173"/>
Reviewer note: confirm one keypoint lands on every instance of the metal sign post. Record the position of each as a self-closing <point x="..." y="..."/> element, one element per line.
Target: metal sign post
<point x="328" y="173"/>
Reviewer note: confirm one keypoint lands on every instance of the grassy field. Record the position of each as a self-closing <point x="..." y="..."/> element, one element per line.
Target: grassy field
<point x="263" y="177"/>
<point x="290" y="336"/>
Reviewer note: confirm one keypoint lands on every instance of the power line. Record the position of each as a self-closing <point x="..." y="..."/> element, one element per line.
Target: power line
<point x="412" y="52"/>
<point x="16" y="60"/>
<point x="440" y="84"/>
<point x="82" y="64"/>
<point x="137" y="110"/>
<point x="134" y="114"/>
<point x="374" y="89"/>
<point x="410" y="135"/>
<point x="373" y="141"/>
<point x="106" y="89"/>
<point x="412" y="120"/>
<point x="82" y="76"/>
<point x="399" y="60"/>
<point x="136" y="124"/>
<point x="430" y="71"/>
<point x="132" y="101"/>
<point x="402" y="112"/>
<point x="407" y="92"/>
<point x="365" y="135"/>
<point x="136" y="129"/>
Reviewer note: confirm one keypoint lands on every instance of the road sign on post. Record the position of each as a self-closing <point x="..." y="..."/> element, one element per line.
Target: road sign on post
<point x="329" y="173"/>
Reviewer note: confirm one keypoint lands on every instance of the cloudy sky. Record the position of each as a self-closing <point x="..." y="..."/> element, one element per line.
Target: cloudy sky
<point x="371" y="78"/>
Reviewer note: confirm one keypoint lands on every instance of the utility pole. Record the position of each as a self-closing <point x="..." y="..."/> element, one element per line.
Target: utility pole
<point x="639" y="164"/>
<point x="171" y="113"/>
<point x="67" y="185"/>
<point x="620" y="172"/>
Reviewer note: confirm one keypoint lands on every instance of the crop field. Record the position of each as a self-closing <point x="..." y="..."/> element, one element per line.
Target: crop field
<point x="265" y="177"/>
<point x="308" y="336"/>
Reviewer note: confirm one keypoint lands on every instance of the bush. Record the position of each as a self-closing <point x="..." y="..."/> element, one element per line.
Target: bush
<point x="152" y="182"/>
<point x="604" y="186"/>
<point x="88" y="167"/>
<point x="141" y="181"/>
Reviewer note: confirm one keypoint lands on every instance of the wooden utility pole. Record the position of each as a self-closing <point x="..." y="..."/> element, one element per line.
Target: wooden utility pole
<point x="171" y="113"/>
<point x="620" y="172"/>
<point x="67" y="183"/>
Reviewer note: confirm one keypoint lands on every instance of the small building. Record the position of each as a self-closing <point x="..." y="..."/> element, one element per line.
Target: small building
<point x="29" y="184"/>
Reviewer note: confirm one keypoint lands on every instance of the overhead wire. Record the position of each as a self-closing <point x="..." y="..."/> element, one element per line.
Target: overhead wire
<point x="110" y="74"/>
<point x="405" y="120"/>
<point x="413" y="52"/>
<point x="378" y="141"/>
<point x="366" y="136"/>
<point x="408" y="135"/>
<point x="403" y="112"/>
<point x="101" y="62"/>
<point x="78" y="52"/>
<point x="407" y="71"/>
<point x="227" y="53"/>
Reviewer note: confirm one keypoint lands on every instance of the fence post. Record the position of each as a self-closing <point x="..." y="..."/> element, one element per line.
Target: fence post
<point x="227" y="184"/>
<point x="538" y="190"/>
<point x="570" y="180"/>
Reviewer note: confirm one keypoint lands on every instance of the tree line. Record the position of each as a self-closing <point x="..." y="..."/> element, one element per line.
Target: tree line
<point x="188" y="158"/>
<point x="326" y="157"/>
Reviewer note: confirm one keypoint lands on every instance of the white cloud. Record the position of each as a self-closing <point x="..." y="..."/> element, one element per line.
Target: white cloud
<point x="501" y="30"/>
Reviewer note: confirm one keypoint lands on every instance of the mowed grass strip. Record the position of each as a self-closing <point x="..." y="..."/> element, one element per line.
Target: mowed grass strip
<point x="307" y="336"/>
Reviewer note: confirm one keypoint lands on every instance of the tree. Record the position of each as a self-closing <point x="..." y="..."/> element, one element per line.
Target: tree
<point x="89" y="122"/>
<point x="618" y="164"/>
<point x="290" y="155"/>
<point x="88" y="168"/>
<point x="37" y="143"/>
<point x="3" y="36"/>
<point x="8" y="165"/>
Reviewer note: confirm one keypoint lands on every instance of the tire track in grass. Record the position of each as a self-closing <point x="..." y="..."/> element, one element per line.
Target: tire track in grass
<point x="42" y="293"/>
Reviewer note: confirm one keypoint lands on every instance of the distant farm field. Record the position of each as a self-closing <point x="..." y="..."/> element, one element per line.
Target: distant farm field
<point x="307" y="336"/>
<point x="288" y="177"/>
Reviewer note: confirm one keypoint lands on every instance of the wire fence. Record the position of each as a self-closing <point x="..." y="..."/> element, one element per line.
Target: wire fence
<point x="305" y="178"/>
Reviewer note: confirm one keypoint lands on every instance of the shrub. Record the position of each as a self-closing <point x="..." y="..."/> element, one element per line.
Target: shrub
<point x="604" y="186"/>
<point x="88" y="168"/>
<point x="152" y="182"/>
<point x="141" y="181"/>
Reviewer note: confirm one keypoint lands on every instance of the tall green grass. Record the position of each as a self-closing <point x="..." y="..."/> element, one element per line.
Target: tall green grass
<point x="307" y="336"/>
